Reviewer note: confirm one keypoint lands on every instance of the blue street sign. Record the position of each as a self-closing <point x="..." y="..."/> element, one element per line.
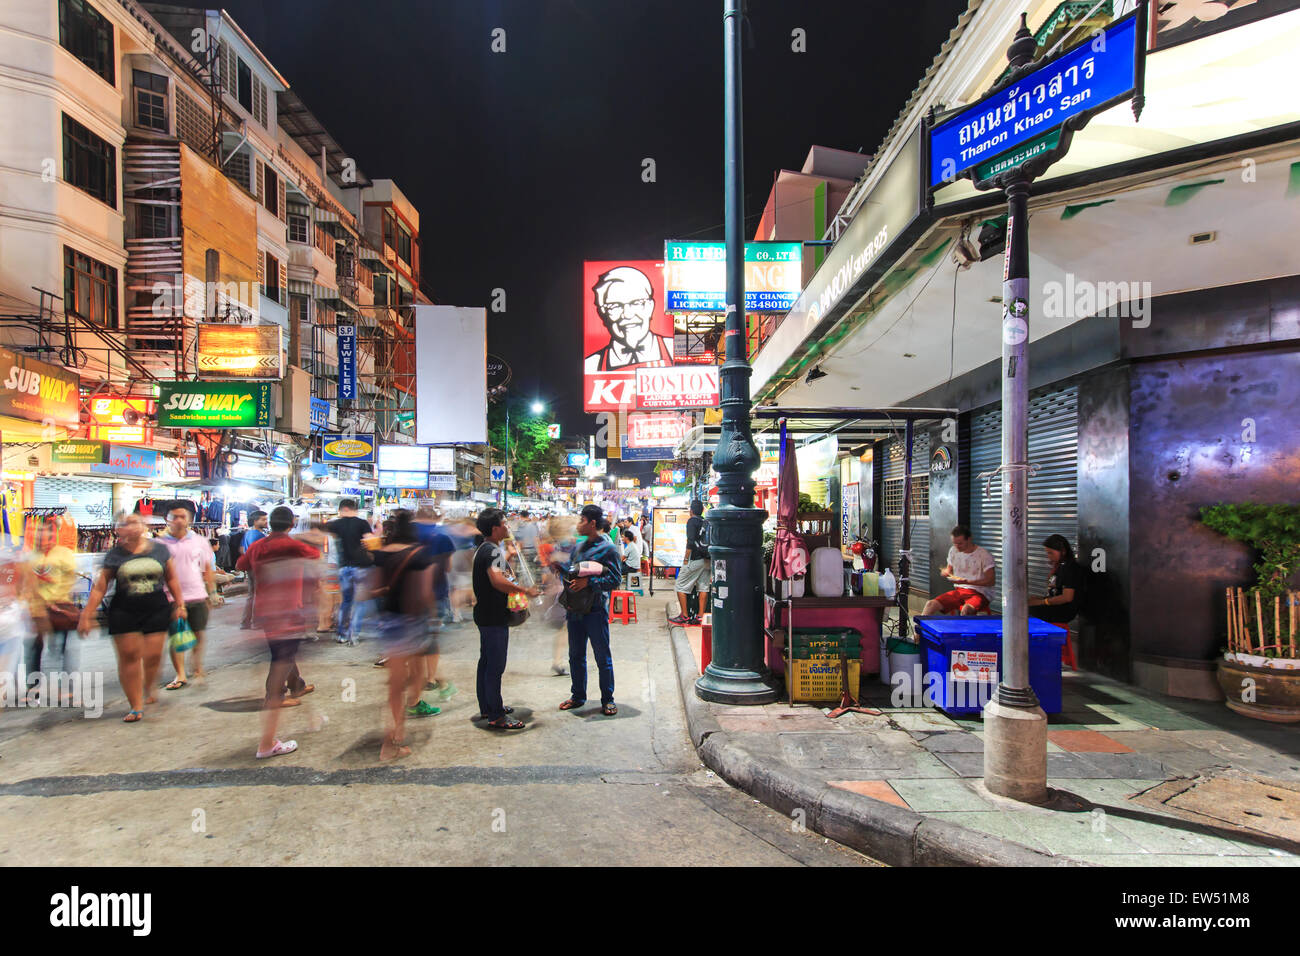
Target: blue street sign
<point x="1093" y="76"/>
<point x="347" y="336"/>
<point x="320" y="414"/>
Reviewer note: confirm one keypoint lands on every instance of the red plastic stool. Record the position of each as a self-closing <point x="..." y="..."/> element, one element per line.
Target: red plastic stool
<point x="1067" y="653"/>
<point x="624" y="611"/>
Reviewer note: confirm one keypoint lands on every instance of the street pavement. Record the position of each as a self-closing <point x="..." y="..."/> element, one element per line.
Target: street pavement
<point x="1136" y="778"/>
<point x="575" y="788"/>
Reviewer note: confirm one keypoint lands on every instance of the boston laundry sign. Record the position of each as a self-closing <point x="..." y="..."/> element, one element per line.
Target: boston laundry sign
<point x="214" y="405"/>
<point x="37" y="392"/>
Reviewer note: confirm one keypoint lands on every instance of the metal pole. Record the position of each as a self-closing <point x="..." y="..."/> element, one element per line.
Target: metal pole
<point x="905" y="556"/>
<point x="737" y="674"/>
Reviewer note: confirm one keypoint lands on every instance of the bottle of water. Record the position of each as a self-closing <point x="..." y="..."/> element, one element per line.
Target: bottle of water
<point x="888" y="586"/>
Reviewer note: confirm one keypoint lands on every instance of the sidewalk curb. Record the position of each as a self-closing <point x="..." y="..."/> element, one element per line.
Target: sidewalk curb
<point x="893" y="835"/>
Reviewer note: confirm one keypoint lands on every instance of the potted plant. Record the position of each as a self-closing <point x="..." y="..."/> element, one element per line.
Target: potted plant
<point x="1260" y="669"/>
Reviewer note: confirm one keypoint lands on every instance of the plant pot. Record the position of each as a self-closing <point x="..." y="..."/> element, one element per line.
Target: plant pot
<point x="1276" y="690"/>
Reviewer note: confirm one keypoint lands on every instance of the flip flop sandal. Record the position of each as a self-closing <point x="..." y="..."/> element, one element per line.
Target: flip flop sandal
<point x="304" y="692"/>
<point x="132" y="716"/>
<point x="290" y="702"/>
<point x="506" y="723"/>
<point x="571" y="703"/>
<point x="176" y="685"/>
<point x="280" y="748"/>
<point x="610" y="709"/>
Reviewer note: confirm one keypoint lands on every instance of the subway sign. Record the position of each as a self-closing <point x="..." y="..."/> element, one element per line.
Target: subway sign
<point x="214" y="405"/>
<point x="38" y="392"/>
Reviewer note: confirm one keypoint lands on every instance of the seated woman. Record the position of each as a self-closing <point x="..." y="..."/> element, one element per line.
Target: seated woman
<point x="1065" y="581"/>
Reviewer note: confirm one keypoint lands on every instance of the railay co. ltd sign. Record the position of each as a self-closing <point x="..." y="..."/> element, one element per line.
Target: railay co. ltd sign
<point x="1104" y="70"/>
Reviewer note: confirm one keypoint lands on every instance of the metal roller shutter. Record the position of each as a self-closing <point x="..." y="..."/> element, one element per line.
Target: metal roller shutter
<point x="88" y="502"/>
<point x="1053" y="491"/>
<point x="892" y="522"/>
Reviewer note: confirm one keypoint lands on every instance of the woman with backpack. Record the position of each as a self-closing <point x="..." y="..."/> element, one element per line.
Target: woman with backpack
<point x="1065" y="583"/>
<point x="403" y="594"/>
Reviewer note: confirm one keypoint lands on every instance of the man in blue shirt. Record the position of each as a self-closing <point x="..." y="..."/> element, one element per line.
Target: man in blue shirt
<point x="436" y="541"/>
<point x="257" y="523"/>
<point x="594" y="625"/>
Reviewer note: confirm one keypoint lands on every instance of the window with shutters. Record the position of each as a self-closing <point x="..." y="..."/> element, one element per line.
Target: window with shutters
<point x="88" y="35"/>
<point x="298" y="228"/>
<point x="89" y="288"/>
<point x="243" y="85"/>
<point x="150" y="100"/>
<point x="89" y="163"/>
<point x="270" y="189"/>
<point x="271" y="277"/>
<point x="238" y="169"/>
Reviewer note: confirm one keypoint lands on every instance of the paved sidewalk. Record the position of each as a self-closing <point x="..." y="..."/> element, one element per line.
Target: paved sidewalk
<point x="1136" y="778"/>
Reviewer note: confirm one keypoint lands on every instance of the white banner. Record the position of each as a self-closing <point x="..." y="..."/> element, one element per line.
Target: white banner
<point x="450" y="375"/>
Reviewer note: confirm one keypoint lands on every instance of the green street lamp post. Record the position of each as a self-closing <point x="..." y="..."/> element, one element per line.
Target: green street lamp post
<point x="737" y="674"/>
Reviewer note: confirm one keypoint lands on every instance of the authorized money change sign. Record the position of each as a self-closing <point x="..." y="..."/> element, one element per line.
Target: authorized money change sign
<point x="695" y="276"/>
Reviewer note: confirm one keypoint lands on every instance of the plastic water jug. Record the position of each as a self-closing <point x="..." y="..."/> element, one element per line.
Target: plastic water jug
<point x="888" y="586"/>
<point x="827" y="572"/>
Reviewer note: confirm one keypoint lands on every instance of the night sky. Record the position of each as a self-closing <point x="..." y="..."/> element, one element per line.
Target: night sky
<point x="524" y="163"/>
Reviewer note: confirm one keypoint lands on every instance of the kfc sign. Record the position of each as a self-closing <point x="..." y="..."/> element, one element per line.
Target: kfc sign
<point x="624" y="329"/>
<point x="657" y="429"/>
<point x="683" y="386"/>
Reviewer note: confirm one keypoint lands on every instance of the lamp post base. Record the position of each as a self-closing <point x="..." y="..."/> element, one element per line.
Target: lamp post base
<point x="1015" y="751"/>
<point x="726" y="685"/>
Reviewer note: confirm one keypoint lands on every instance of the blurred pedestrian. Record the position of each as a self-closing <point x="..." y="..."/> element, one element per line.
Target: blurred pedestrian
<point x="257" y="524"/>
<point x="196" y="570"/>
<point x="277" y="562"/>
<point x="492" y="586"/>
<point x="440" y="550"/>
<point x="142" y="572"/>
<point x="53" y="573"/>
<point x="592" y="626"/>
<point x="354" y="562"/>
<point x="403" y="588"/>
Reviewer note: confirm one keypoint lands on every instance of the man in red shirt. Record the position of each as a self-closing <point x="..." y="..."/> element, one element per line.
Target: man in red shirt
<point x="277" y="564"/>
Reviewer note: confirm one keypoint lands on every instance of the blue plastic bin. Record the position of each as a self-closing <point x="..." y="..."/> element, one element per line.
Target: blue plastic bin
<point x="942" y="637"/>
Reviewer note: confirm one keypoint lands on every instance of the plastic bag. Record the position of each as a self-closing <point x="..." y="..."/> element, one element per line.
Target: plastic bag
<point x="180" y="638"/>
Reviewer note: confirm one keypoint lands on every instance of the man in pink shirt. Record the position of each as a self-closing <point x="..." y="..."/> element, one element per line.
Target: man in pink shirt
<point x="195" y="570"/>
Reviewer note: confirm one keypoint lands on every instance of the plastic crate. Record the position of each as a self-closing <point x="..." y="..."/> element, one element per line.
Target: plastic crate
<point x="818" y="678"/>
<point x="980" y="639"/>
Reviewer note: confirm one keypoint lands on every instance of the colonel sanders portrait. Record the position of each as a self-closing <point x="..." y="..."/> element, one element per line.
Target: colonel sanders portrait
<point x="625" y="300"/>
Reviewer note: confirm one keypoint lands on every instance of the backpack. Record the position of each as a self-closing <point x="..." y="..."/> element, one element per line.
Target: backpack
<point x="702" y="539"/>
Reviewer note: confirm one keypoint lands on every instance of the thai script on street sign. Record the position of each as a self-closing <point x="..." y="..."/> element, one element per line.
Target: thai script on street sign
<point x="695" y="276"/>
<point x="1098" y="73"/>
<point x="214" y="404"/>
<point x="681" y="386"/>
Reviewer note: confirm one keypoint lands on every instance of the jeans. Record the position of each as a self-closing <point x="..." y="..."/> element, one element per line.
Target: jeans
<point x="65" y="642"/>
<point x="592" y="627"/>
<point x="493" y="642"/>
<point x="351" y="611"/>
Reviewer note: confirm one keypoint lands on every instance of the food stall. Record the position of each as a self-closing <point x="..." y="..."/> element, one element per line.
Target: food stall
<point x="811" y="603"/>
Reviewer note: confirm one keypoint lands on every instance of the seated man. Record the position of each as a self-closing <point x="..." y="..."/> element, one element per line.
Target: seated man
<point x="973" y="570"/>
<point x="631" y="553"/>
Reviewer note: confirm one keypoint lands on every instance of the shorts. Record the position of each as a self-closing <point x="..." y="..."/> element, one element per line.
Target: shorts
<point x="693" y="574"/>
<point x="196" y="612"/>
<point x="952" y="601"/>
<point x="138" y="620"/>
<point x="405" y="635"/>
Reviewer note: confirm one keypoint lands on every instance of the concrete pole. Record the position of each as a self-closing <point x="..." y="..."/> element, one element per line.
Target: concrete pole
<point x="1015" y="746"/>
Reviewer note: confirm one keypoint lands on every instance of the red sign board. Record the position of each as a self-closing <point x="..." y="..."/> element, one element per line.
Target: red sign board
<point x="657" y="429"/>
<point x="624" y="328"/>
<point x="682" y="386"/>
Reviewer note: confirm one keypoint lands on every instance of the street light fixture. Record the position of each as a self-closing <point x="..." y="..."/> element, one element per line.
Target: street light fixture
<point x="538" y="408"/>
